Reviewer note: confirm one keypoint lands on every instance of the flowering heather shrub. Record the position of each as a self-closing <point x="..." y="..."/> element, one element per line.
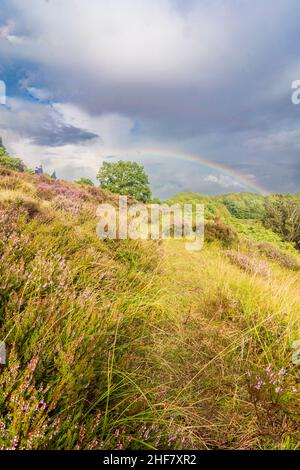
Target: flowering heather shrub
<point x="73" y="206"/>
<point x="9" y="223"/>
<point x="153" y="434"/>
<point x="112" y="345"/>
<point x="250" y="265"/>
<point x="50" y="189"/>
<point x="45" y="191"/>
<point x="271" y="387"/>
<point x="59" y="315"/>
<point x="26" y="419"/>
<point x="98" y="195"/>
<point x="284" y="259"/>
<point x="218" y="230"/>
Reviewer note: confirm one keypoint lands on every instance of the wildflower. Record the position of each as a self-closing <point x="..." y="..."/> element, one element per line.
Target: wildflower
<point x="14" y="443"/>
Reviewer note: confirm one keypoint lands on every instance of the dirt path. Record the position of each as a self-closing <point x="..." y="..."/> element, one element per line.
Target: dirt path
<point x="200" y="351"/>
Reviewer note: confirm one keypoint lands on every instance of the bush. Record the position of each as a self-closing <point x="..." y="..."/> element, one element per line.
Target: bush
<point x="85" y="182"/>
<point x="218" y="230"/>
<point x="284" y="259"/>
<point x="250" y="265"/>
<point x="10" y="162"/>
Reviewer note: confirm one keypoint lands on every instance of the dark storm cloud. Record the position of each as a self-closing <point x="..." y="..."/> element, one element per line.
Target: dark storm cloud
<point x="63" y="135"/>
<point x="213" y="78"/>
<point x="41" y="124"/>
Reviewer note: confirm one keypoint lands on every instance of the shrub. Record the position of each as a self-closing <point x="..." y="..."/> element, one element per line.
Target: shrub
<point x="85" y="182"/>
<point x="218" y="230"/>
<point x="10" y="162"/>
<point x="250" y="265"/>
<point x="50" y="189"/>
<point x="73" y="206"/>
<point x="67" y="309"/>
<point x="284" y="259"/>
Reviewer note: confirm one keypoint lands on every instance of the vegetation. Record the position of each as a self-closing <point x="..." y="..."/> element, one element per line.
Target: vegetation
<point x="85" y="181"/>
<point x="10" y="162"/>
<point x="282" y="215"/>
<point x="142" y="344"/>
<point x="244" y="205"/>
<point x="271" y="219"/>
<point x="126" y="178"/>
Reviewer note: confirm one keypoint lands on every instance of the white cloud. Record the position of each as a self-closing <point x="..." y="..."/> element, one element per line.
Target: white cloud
<point x="223" y="180"/>
<point x="27" y="127"/>
<point x="113" y="128"/>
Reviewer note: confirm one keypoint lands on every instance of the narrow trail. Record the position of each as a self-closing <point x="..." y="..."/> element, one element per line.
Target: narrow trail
<point x="198" y="347"/>
<point x="214" y="312"/>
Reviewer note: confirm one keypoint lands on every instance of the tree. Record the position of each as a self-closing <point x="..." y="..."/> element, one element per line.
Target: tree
<point x="85" y="182"/>
<point x="282" y="215"/>
<point x="53" y="176"/>
<point x="8" y="161"/>
<point x="125" y="178"/>
<point x="244" y="205"/>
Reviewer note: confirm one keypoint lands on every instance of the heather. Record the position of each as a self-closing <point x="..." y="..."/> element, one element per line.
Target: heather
<point x="141" y="344"/>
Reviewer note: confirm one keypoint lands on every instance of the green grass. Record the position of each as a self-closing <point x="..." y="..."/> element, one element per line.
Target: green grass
<point x="139" y="345"/>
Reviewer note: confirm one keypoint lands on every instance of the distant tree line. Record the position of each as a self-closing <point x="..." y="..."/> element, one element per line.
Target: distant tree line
<point x="282" y="215"/>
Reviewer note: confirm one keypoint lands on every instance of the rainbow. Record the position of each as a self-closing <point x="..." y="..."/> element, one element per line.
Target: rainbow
<point x="248" y="183"/>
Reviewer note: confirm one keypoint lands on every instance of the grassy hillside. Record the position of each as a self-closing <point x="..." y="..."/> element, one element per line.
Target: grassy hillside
<point x="245" y="213"/>
<point x="131" y="344"/>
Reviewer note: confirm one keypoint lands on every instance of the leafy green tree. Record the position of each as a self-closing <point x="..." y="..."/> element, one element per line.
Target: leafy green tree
<point x="282" y="215"/>
<point x="10" y="162"/>
<point x="126" y="178"/>
<point x="155" y="200"/>
<point x="85" y="182"/>
<point x="244" y="205"/>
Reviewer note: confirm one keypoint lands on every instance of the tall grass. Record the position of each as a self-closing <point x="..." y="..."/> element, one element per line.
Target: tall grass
<point x="130" y="344"/>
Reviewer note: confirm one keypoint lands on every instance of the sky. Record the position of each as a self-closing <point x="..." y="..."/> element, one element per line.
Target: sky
<point x="198" y="91"/>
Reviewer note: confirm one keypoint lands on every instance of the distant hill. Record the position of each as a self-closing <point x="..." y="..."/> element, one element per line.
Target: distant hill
<point x="273" y="218"/>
